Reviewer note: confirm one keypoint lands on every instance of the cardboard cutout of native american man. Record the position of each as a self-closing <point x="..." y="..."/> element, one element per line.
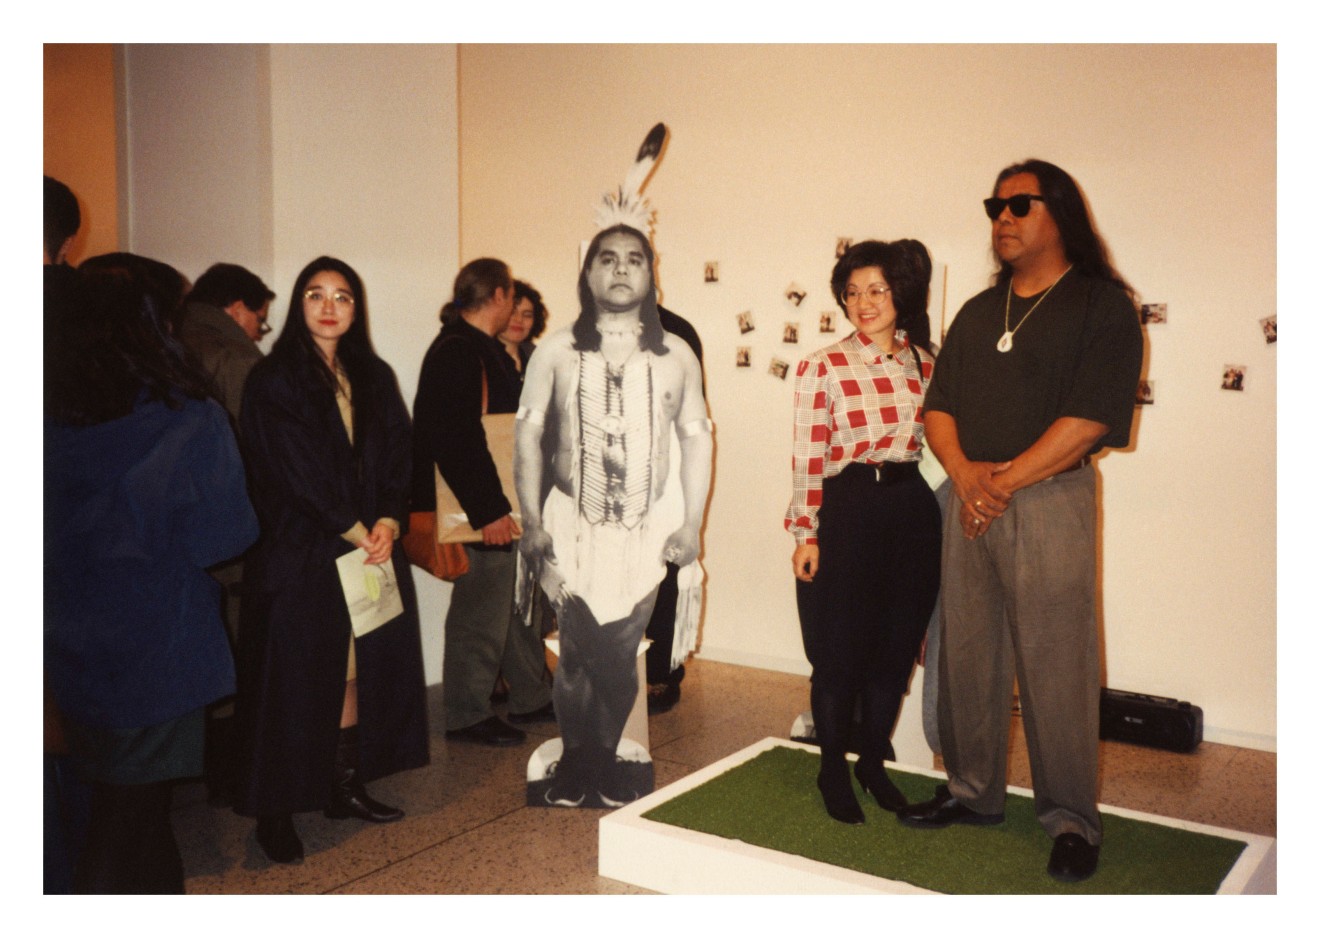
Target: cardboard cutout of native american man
<point x="612" y="465"/>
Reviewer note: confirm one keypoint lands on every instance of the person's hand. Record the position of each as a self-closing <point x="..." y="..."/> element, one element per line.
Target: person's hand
<point x="806" y="562"/>
<point x="500" y="532"/>
<point x="379" y="544"/>
<point x="973" y="524"/>
<point x="681" y="547"/>
<point x="537" y="546"/>
<point x="979" y="491"/>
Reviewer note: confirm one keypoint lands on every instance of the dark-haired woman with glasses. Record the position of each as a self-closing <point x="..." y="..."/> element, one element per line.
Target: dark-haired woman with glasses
<point x="866" y="524"/>
<point x="329" y="453"/>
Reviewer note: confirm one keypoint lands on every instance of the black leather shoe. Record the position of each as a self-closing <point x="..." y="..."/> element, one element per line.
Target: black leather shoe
<point x="491" y="731"/>
<point x="943" y="810"/>
<point x="544" y="714"/>
<point x="661" y="698"/>
<point x="840" y="802"/>
<point x="277" y="836"/>
<point x="349" y="798"/>
<point x="1073" y="859"/>
<point x="881" y="787"/>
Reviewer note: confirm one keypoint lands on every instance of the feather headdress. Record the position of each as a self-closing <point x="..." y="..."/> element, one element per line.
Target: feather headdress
<point x="626" y="206"/>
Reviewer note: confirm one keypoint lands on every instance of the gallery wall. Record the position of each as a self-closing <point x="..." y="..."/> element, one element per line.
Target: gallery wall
<point x="776" y="151"/>
<point x="408" y="161"/>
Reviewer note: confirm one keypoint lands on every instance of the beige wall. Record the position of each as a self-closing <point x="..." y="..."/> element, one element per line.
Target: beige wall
<point x="78" y="138"/>
<point x="777" y="150"/>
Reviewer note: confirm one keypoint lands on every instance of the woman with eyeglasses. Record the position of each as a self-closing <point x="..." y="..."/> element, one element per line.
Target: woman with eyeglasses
<point x="328" y="444"/>
<point x="866" y="524"/>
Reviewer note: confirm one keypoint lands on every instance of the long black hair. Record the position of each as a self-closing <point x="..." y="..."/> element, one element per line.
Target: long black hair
<point x="586" y="337"/>
<point x="354" y="353"/>
<point x="107" y="341"/>
<point x="906" y="266"/>
<point x="1084" y="248"/>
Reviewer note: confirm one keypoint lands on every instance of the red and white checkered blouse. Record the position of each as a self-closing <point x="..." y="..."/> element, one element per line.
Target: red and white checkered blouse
<point x="853" y="403"/>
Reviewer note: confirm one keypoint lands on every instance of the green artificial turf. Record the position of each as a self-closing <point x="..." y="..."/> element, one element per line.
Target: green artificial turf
<point x="772" y="801"/>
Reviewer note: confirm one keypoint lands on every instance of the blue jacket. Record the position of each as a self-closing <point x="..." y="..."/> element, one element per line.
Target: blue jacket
<point x="136" y="509"/>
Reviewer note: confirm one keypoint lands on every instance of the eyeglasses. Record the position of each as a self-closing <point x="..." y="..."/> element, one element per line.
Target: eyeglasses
<point x="1019" y="205"/>
<point x="876" y="294"/>
<point x="317" y="295"/>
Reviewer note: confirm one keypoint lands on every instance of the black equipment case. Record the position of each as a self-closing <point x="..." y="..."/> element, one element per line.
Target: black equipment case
<point x="1161" y="722"/>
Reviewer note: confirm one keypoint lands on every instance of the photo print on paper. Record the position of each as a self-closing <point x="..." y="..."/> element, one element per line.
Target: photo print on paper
<point x="827" y="320"/>
<point x="1145" y="393"/>
<point x="745" y="323"/>
<point x="791" y="332"/>
<point x="1270" y="327"/>
<point x="841" y="246"/>
<point x="1154" y="313"/>
<point x="795" y="294"/>
<point x="779" y="368"/>
<point x="712" y="274"/>
<point x="1234" y="376"/>
<point x="744" y="356"/>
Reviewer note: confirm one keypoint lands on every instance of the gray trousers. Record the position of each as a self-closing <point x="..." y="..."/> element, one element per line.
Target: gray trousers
<point x="483" y="637"/>
<point x="1020" y="600"/>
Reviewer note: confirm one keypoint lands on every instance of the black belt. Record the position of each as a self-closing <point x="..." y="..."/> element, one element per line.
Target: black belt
<point x="879" y="473"/>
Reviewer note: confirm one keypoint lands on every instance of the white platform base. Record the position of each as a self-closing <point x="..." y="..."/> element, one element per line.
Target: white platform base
<point x="672" y="860"/>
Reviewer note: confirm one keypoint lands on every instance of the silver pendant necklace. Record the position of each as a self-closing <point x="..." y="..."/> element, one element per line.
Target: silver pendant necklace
<point x="1005" y="343"/>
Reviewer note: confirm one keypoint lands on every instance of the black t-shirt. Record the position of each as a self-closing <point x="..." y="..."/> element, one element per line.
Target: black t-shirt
<point x="1077" y="355"/>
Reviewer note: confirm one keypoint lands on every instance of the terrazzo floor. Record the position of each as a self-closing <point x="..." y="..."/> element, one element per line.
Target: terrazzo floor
<point x="469" y="831"/>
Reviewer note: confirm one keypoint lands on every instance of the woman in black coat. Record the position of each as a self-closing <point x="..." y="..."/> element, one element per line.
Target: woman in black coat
<point x="328" y="445"/>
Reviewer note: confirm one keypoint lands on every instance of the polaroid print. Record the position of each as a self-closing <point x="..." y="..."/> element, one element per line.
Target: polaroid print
<point x="827" y="320"/>
<point x="1145" y="393"/>
<point x="841" y="246"/>
<point x="795" y="294"/>
<point x="791" y="332"/>
<point x="1270" y="327"/>
<point x="745" y="323"/>
<point x="712" y="274"/>
<point x="744" y="356"/>
<point x="1154" y="313"/>
<point x="779" y="368"/>
<point x="1234" y="377"/>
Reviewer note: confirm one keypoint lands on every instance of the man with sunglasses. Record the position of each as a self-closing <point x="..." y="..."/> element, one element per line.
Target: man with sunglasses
<point x="1038" y="374"/>
<point x="222" y="320"/>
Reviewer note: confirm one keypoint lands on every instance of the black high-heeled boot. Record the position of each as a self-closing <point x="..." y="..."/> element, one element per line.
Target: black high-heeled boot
<point x="278" y="837"/>
<point x="348" y="797"/>
<point x="837" y="791"/>
<point x="832" y="714"/>
<point x="874" y="779"/>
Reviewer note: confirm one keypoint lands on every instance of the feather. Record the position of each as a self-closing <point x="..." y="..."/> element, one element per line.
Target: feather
<point x="626" y="206"/>
<point x="647" y="154"/>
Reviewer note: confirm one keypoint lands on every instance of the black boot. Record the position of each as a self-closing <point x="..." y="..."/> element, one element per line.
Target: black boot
<point x="277" y="836"/>
<point x="832" y="713"/>
<point x="348" y="797"/>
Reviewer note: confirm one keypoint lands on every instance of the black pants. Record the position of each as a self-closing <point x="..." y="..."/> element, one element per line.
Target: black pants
<point x="864" y="615"/>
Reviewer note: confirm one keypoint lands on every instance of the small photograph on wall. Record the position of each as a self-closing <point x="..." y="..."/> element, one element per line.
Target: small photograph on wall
<point x="1145" y="392"/>
<point x="745" y="323"/>
<point x="744" y="356"/>
<point x="827" y="321"/>
<point x="1234" y="377"/>
<point x="779" y="368"/>
<point x="712" y="274"/>
<point x="841" y="246"/>
<point x="1154" y="313"/>
<point x="791" y="332"/>
<point x="1271" y="329"/>
<point x="795" y="294"/>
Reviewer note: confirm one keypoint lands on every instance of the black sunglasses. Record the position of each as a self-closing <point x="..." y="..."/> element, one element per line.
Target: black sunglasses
<point x="1019" y="205"/>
